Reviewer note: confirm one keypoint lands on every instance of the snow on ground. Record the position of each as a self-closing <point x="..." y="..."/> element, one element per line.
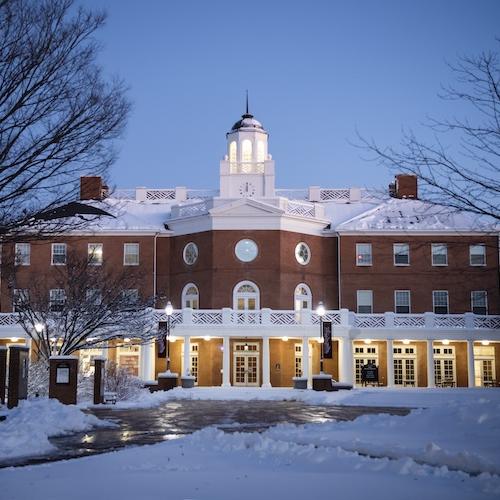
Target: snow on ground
<point x="27" y="428"/>
<point x="448" y="447"/>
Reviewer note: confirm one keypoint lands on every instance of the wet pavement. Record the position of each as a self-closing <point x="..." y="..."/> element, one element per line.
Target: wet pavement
<point x="177" y="418"/>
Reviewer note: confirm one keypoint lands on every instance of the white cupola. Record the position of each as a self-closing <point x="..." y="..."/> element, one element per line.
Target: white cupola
<point x="247" y="170"/>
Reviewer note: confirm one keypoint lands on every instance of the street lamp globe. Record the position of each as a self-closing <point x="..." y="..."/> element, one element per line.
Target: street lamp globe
<point x="169" y="309"/>
<point x="39" y="327"/>
<point x="320" y="310"/>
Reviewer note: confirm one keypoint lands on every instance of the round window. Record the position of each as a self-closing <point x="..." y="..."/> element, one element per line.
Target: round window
<point x="246" y="250"/>
<point x="302" y="253"/>
<point x="190" y="253"/>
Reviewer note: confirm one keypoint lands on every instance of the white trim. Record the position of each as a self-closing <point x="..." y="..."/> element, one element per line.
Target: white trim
<point x="363" y="264"/>
<point x="409" y="301"/>
<point x="184" y="253"/>
<point x="297" y="247"/>
<point x="245" y="295"/>
<point x="447" y="301"/>
<point x="302" y="297"/>
<point x="433" y="245"/>
<point x="184" y="296"/>
<point x="357" y="300"/>
<point x="484" y="254"/>
<point x="394" y="254"/>
<point x="472" y="303"/>
<point x="125" y="245"/>
<point x="52" y="263"/>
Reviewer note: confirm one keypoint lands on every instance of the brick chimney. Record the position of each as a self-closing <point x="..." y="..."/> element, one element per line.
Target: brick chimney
<point x="405" y="186"/>
<point x="92" y="188"/>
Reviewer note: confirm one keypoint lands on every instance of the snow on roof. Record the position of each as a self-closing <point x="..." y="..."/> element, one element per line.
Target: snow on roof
<point x="415" y="215"/>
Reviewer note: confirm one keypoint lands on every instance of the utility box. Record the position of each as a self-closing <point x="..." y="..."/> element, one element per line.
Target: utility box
<point x="99" y="379"/>
<point x="3" y="373"/>
<point x="63" y="379"/>
<point x="18" y="374"/>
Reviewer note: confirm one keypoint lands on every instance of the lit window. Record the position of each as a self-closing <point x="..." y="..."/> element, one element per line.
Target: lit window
<point x="190" y="296"/>
<point x="95" y="254"/>
<point x="58" y="254"/>
<point x="246" y="151"/>
<point x="401" y="254"/>
<point x="131" y="254"/>
<point x="57" y="299"/>
<point x="365" y="301"/>
<point x="23" y="254"/>
<point x="260" y="151"/>
<point x="20" y="299"/>
<point x="302" y="297"/>
<point x="233" y="152"/>
<point x="439" y="254"/>
<point x="246" y="250"/>
<point x="93" y="296"/>
<point x="190" y="253"/>
<point x="363" y="254"/>
<point x="246" y="296"/>
<point x="440" y="301"/>
<point x="302" y="253"/>
<point x="477" y="255"/>
<point x="402" y="301"/>
<point x="479" y="302"/>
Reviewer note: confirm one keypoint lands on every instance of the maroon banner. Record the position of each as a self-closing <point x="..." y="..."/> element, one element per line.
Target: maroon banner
<point x="327" y="340"/>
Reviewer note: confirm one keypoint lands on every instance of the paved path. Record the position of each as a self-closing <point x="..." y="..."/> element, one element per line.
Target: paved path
<point x="176" y="418"/>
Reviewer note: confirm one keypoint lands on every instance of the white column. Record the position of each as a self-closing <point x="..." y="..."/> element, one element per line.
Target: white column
<point x="226" y="379"/>
<point x="471" y="376"/>
<point x="346" y="361"/>
<point x="431" y="382"/>
<point x="186" y="353"/>
<point x="305" y="360"/>
<point x="147" y="367"/>
<point x="266" y="363"/>
<point x="390" y="363"/>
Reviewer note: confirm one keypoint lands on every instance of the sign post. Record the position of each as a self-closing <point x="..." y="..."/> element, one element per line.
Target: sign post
<point x="63" y="378"/>
<point x="99" y="379"/>
<point x="369" y="374"/>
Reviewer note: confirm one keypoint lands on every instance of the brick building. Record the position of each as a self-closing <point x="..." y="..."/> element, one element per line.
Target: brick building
<point x="412" y="287"/>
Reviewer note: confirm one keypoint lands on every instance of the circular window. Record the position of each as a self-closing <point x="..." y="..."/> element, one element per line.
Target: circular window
<point x="302" y="253"/>
<point x="246" y="250"/>
<point x="190" y="253"/>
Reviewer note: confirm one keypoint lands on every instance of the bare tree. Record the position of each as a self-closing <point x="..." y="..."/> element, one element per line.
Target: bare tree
<point x="59" y="117"/>
<point x="82" y="305"/>
<point x="466" y="177"/>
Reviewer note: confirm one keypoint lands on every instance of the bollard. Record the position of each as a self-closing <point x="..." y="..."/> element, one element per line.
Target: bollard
<point x="99" y="374"/>
<point x="63" y="378"/>
<point x="18" y="374"/>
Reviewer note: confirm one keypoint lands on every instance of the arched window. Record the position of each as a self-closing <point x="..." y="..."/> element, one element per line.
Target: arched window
<point x="246" y="151"/>
<point x="261" y="151"/>
<point x="302" y="298"/>
<point x="190" y="296"/>
<point x="246" y="296"/>
<point x="233" y="152"/>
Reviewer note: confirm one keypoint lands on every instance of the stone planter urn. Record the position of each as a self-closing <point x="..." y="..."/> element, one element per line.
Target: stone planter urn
<point x="167" y="380"/>
<point x="299" y="382"/>
<point x="322" y="382"/>
<point x="187" y="381"/>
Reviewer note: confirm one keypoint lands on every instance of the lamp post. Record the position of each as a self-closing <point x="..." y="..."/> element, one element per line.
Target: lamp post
<point x="168" y="311"/>
<point x="320" y="311"/>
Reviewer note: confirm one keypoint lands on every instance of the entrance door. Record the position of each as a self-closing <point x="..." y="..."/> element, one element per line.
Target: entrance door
<point x="246" y="364"/>
<point x="405" y="358"/>
<point x="363" y="355"/>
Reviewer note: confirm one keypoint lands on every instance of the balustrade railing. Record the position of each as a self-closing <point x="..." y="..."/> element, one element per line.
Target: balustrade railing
<point x="285" y="318"/>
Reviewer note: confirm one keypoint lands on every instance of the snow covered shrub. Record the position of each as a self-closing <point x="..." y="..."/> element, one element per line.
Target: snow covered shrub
<point x="38" y="379"/>
<point x="120" y="381"/>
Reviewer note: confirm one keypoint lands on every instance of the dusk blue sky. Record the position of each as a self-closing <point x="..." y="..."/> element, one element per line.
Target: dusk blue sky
<point x="316" y="71"/>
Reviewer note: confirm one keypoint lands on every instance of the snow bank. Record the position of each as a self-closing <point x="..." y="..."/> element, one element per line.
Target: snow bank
<point x="27" y="428"/>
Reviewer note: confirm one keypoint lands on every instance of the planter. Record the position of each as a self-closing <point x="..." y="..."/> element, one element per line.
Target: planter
<point x="299" y="382"/>
<point x="322" y="382"/>
<point x="187" y="381"/>
<point x="167" y="381"/>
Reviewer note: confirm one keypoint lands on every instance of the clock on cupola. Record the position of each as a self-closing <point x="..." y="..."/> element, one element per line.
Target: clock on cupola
<point x="247" y="170"/>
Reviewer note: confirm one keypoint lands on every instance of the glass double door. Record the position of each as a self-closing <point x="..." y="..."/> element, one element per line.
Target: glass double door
<point x="246" y="364"/>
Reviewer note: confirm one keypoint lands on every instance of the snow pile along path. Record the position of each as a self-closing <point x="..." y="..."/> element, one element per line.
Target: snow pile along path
<point x="26" y="430"/>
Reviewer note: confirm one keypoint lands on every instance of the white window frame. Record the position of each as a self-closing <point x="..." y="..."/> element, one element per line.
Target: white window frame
<point x="127" y="246"/>
<point x="447" y="301"/>
<point x="55" y="300"/>
<point x="246" y="295"/>
<point x="436" y="245"/>
<point x="196" y="254"/>
<point x="358" y="253"/>
<point x="394" y="254"/>
<point x="299" y="298"/>
<point x="472" y="299"/>
<point x="91" y="254"/>
<point x="24" y="255"/>
<point x="370" y="292"/>
<point x="53" y="253"/>
<point x="185" y="297"/>
<point x="483" y="246"/>
<point x="298" y="254"/>
<point x="396" y="303"/>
